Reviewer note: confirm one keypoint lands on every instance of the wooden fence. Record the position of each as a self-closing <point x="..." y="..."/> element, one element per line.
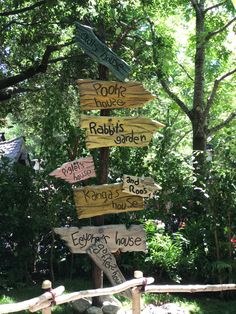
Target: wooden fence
<point x="138" y="286"/>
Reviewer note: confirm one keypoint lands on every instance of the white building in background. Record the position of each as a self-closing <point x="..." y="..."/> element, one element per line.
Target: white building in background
<point x="14" y="150"/>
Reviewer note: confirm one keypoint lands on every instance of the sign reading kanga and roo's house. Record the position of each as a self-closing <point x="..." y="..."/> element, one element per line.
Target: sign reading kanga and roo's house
<point x="104" y="199"/>
<point x="144" y="187"/>
<point x="118" y="131"/>
<point x="95" y="94"/>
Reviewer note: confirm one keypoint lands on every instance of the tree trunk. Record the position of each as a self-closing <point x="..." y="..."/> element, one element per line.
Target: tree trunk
<point x="198" y="116"/>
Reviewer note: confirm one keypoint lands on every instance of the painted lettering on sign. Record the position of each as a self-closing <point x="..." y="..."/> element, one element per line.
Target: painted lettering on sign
<point x="101" y="255"/>
<point x="116" y="237"/>
<point x="112" y="94"/>
<point x="115" y="131"/>
<point x="76" y="170"/>
<point x="100" y="52"/>
<point x="144" y="187"/>
<point x="104" y="199"/>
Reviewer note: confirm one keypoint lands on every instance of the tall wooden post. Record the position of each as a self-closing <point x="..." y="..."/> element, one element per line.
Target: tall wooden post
<point x="102" y="179"/>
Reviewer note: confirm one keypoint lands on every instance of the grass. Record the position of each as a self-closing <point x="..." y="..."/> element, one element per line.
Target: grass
<point x="195" y="304"/>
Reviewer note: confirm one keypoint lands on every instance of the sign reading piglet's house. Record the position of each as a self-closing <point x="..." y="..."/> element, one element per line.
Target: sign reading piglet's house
<point x="104" y="199"/>
<point x="76" y="170"/>
<point x="118" y="131"/>
<point x="95" y="94"/>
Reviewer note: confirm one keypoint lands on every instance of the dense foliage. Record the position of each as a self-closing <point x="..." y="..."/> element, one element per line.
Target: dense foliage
<point x="192" y="75"/>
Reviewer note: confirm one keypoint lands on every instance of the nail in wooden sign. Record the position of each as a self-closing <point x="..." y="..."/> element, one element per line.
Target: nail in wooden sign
<point x="118" y="131"/>
<point x="116" y="237"/>
<point x="144" y="187"/>
<point x="105" y="199"/>
<point x="102" y="256"/>
<point x="100" y="52"/>
<point x="112" y="95"/>
<point x="76" y="170"/>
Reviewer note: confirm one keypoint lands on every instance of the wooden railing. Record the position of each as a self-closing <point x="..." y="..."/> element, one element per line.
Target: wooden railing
<point x="138" y="286"/>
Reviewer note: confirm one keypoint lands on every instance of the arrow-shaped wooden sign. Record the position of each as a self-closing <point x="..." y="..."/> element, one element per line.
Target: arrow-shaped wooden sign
<point x="96" y="94"/>
<point x="118" y="131"/>
<point x="117" y="237"/>
<point x="76" y="170"/>
<point x="100" y="52"/>
<point x="104" y="199"/>
<point x="101" y="255"/>
<point x="144" y="187"/>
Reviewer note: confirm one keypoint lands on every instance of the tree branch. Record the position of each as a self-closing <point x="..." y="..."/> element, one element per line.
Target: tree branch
<point x="188" y="75"/>
<point x="9" y="92"/>
<point x="222" y="124"/>
<point x="215" y="88"/>
<point x="29" y="8"/>
<point x="33" y="70"/>
<point x="215" y="6"/>
<point x="211" y="34"/>
<point x="195" y="6"/>
<point x="176" y="99"/>
<point x="174" y="145"/>
<point x="123" y="35"/>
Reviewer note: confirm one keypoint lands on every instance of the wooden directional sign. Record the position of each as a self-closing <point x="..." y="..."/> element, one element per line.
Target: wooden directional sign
<point x="100" y="52"/>
<point x="144" y="187"/>
<point x="118" y="131"/>
<point x="101" y="255"/>
<point x="116" y="237"/>
<point x="112" y="94"/>
<point x="104" y="199"/>
<point x="76" y="170"/>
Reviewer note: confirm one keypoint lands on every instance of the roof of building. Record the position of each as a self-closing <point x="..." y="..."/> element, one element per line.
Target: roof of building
<point x="15" y="150"/>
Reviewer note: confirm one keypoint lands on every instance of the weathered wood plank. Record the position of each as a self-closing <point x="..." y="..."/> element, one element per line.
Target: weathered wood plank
<point x="118" y="131"/>
<point x="76" y="170"/>
<point x="95" y="94"/>
<point x="144" y="187"/>
<point x="116" y="237"/>
<point x="104" y="199"/>
<point x="101" y="255"/>
<point x="100" y="52"/>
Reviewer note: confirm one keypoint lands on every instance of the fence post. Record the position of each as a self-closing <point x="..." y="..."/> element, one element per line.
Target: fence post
<point x="47" y="287"/>
<point x="136" y="295"/>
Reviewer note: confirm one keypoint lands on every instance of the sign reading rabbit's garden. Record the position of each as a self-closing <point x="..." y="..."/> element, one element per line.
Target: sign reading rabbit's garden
<point x="118" y="131"/>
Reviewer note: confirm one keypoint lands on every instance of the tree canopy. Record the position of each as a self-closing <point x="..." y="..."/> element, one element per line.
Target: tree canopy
<point x="182" y="51"/>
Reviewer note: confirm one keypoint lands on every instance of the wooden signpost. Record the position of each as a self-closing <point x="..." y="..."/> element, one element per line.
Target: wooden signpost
<point x="144" y="187"/>
<point x="76" y="170"/>
<point x="104" y="199"/>
<point x="104" y="259"/>
<point x="102" y="132"/>
<point x="118" y="131"/>
<point x="116" y="237"/>
<point x="95" y="94"/>
<point x="100" y="52"/>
